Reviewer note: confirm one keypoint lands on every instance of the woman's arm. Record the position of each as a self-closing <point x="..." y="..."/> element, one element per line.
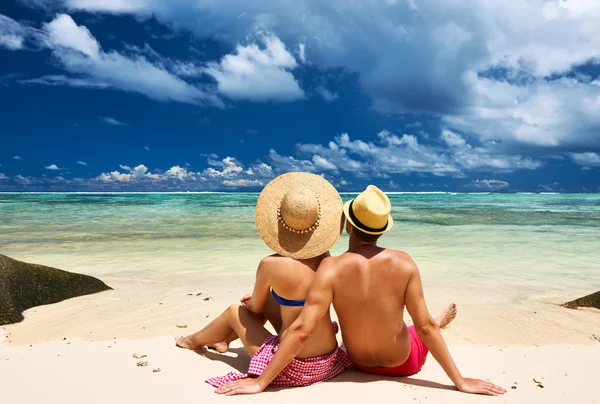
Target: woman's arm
<point x="262" y="286"/>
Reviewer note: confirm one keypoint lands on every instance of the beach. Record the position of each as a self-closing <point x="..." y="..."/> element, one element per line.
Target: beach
<point x="507" y="261"/>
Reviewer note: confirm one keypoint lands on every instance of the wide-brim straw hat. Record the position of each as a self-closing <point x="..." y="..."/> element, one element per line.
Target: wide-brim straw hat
<point x="370" y="211"/>
<point x="299" y="215"/>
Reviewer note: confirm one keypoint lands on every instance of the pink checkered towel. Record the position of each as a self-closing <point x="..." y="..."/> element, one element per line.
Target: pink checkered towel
<point x="300" y="372"/>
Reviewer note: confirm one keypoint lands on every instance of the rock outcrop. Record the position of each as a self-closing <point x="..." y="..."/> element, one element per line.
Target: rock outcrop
<point x="24" y="285"/>
<point x="592" y="300"/>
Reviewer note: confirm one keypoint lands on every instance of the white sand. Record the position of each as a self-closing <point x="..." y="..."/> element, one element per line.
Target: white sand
<point x="76" y="371"/>
<point x="95" y="364"/>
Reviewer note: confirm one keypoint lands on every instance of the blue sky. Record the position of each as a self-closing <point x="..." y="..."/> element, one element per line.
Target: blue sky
<point x="200" y="95"/>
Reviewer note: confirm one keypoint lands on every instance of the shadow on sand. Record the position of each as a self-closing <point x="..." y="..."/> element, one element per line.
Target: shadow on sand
<point x="355" y="376"/>
<point x="239" y="360"/>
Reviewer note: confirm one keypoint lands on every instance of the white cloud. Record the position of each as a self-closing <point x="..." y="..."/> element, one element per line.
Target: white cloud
<point x="489" y="185"/>
<point x="230" y="165"/>
<point x="243" y="183"/>
<point x="263" y="170"/>
<point x="302" y="52"/>
<point x="585" y="159"/>
<point x="327" y="95"/>
<point x="19" y="179"/>
<point x="17" y="158"/>
<point x="547" y="113"/>
<point x="114" y="176"/>
<point x="135" y="174"/>
<point x="52" y="167"/>
<point x="12" y="34"/>
<point x="179" y="173"/>
<point x="112" y="121"/>
<point x="82" y="163"/>
<point x="288" y="163"/>
<point x="323" y="164"/>
<point x="64" y="32"/>
<point x="256" y="74"/>
<point x="402" y="155"/>
<point x="550" y="187"/>
<point x="452" y="139"/>
<point x="61" y="80"/>
<point x="437" y="50"/>
<point x="232" y="175"/>
<point x="146" y="148"/>
<point x="77" y="51"/>
<point x="111" y="6"/>
<point x="3" y="177"/>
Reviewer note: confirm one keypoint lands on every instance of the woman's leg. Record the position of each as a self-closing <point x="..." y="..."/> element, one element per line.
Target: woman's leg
<point x="271" y="313"/>
<point x="236" y="319"/>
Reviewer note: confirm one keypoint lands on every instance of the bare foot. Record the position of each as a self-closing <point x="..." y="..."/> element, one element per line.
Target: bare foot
<point x="187" y="343"/>
<point x="220" y="347"/>
<point x="447" y="315"/>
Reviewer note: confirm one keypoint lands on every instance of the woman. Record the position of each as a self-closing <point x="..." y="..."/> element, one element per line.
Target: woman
<point x="300" y="217"/>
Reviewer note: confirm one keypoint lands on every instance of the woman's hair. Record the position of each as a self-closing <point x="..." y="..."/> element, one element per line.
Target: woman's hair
<point x="365" y="237"/>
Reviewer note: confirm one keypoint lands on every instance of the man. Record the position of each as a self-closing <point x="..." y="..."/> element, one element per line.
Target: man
<point x="369" y="287"/>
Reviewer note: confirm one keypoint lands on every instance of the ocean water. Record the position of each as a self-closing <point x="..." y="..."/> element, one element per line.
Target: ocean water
<point x="516" y="245"/>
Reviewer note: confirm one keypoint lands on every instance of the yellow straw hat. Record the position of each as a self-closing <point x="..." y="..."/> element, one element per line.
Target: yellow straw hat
<point x="370" y="211"/>
<point x="299" y="215"/>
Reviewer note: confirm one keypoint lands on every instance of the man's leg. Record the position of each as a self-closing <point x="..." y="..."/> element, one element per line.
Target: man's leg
<point x="447" y="315"/>
<point x="418" y="349"/>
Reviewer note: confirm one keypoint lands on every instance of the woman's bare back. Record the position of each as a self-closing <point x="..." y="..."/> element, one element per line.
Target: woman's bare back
<point x="291" y="279"/>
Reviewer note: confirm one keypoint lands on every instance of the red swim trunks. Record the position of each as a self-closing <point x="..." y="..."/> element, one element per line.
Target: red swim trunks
<point x="414" y="363"/>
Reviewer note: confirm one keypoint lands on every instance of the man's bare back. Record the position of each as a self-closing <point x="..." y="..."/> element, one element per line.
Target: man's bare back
<point x="369" y="287"/>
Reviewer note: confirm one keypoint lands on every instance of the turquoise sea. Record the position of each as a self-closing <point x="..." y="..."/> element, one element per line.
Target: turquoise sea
<point x="538" y="240"/>
<point x="505" y="259"/>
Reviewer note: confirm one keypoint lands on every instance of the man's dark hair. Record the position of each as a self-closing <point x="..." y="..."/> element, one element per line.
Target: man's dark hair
<point x="365" y="237"/>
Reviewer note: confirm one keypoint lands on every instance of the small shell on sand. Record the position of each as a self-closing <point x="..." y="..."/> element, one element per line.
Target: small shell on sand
<point x="136" y="356"/>
<point x="142" y="363"/>
<point x="156" y="370"/>
<point x="538" y="380"/>
<point x="182" y="326"/>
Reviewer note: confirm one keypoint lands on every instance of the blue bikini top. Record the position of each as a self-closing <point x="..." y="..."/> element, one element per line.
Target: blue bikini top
<point x="286" y="302"/>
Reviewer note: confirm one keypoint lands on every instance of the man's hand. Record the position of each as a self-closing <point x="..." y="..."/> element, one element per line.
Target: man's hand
<point x="243" y="386"/>
<point x="476" y="386"/>
<point x="245" y="298"/>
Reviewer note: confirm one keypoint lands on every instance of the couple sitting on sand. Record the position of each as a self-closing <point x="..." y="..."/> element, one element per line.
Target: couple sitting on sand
<point x="301" y="216"/>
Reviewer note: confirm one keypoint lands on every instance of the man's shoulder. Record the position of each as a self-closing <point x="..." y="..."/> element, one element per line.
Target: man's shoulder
<point x="401" y="259"/>
<point x="331" y="265"/>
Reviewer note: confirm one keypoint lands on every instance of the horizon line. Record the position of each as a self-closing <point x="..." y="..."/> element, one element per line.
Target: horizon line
<point x="254" y="192"/>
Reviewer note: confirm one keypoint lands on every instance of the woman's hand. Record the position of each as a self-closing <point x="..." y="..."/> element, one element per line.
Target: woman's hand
<point x="243" y="386"/>
<point x="245" y="298"/>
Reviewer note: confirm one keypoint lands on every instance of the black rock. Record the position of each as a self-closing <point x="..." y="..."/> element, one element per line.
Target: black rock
<point x="592" y="300"/>
<point x="24" y="285"/>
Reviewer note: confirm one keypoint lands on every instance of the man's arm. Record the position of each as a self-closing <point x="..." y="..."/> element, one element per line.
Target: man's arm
<point x="429" y="331"/>
<point x="294" y="338"/>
